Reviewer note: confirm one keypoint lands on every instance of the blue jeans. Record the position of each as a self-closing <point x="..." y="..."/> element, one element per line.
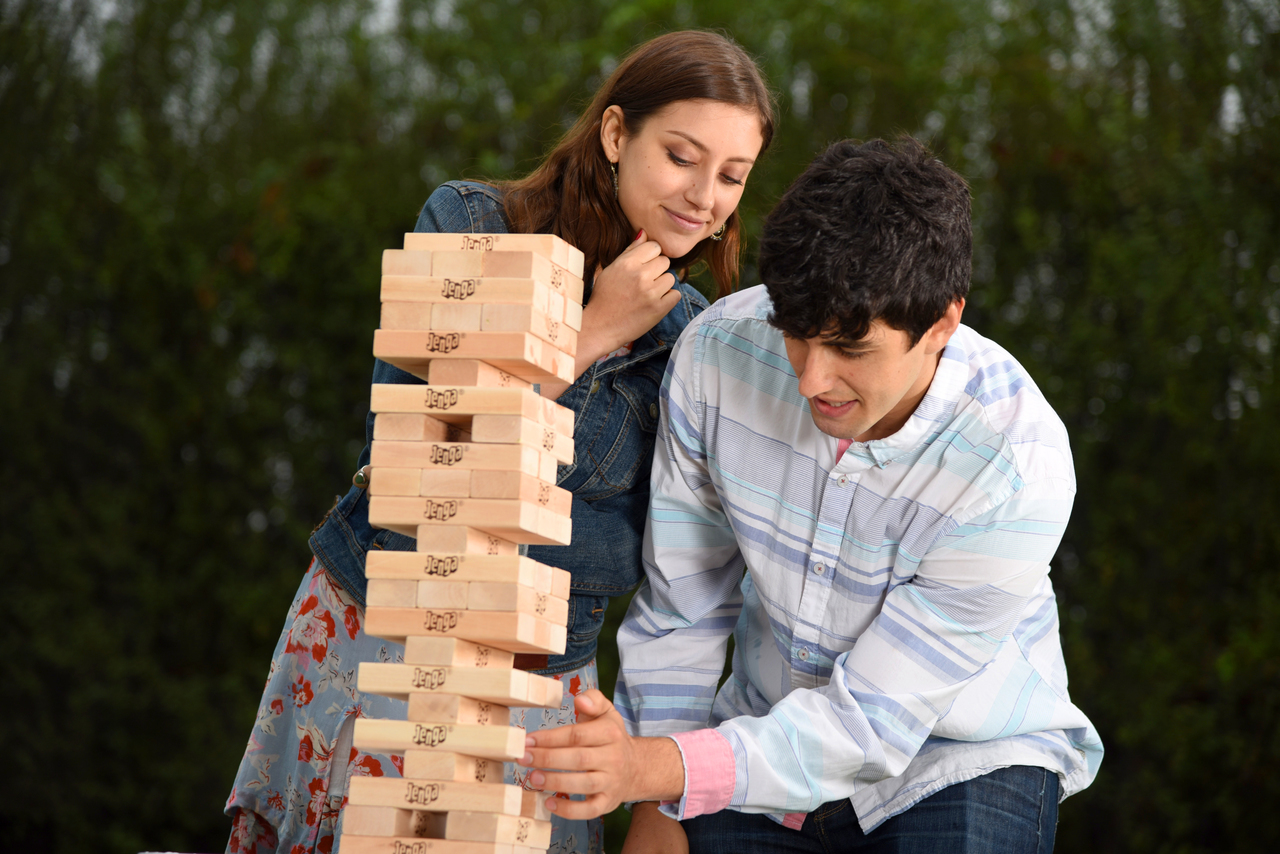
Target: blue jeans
<point x="1009" y="811"/>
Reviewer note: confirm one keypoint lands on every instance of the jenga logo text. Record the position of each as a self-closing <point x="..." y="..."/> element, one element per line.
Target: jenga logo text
<point x="548" y="438"/>
<point x="482" y="657"/>
<point x="522" y="831"/>
<point x="557" y="277"/>
<point x="482" y="770"/>
<point x="398" y="847"/>
<point x="540" y="605"/>
<point x="504" y="379"/>
<point x="482" y="714"/>
<point x="446" y="455"/>
<point x="440" y="567"/>
<point x="430" y="679"/>
<point x="440" y="511"/>
<point x="493" y="545"/>
<point x="484" y="244"/>
<point x="430" y="736"/>
<point x="446" y="343"/>
<point x="544" y="493"/>
<point x="458" y="289"/>
<point x="438" y="398"/>
<point x="422" y="794"/>
<point x="553" y="329"/>
<point x="440" y="621"/>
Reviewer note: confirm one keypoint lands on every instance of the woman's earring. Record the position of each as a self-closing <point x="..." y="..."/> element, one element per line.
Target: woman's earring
<point x="613" y="167"/>
<point x="719" y="233"/>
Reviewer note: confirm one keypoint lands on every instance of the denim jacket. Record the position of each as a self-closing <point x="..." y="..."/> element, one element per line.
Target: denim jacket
<point x="616" y="414"/>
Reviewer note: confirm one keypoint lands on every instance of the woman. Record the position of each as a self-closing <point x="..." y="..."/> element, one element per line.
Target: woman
<point x="645" y="184"/>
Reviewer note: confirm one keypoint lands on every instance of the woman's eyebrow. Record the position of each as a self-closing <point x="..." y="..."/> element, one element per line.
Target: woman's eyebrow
<point x="703" y="148"/>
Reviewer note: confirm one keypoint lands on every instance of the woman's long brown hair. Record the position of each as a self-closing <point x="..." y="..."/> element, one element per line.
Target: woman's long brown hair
<point x="571" y="193"/>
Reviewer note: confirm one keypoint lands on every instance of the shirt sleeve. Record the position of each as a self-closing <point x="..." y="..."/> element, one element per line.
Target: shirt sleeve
<point x="672" y="642"/>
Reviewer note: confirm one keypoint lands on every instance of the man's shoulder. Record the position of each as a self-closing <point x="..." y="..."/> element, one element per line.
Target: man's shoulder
<point x="1000" y="397"/>
<point x="745" y="313"/>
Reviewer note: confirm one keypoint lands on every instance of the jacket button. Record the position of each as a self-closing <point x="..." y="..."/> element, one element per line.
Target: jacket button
<point x="653" y="410"/>
<point x="361" y="478"/>
<point x="595" y="386"/>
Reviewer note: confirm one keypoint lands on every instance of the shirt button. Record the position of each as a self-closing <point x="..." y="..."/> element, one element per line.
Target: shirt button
<point x="653" y="410"/>
<point x="819" y="568"/>
<point x="804" y="655"/>
<point x="844" y="480"/>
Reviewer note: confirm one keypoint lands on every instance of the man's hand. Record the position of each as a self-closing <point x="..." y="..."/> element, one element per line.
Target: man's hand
<point x="597" y="758"/>
<point x="651" y="832"/>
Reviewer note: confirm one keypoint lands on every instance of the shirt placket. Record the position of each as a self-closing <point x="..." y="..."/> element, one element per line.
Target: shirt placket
<point x="807" y="656"/>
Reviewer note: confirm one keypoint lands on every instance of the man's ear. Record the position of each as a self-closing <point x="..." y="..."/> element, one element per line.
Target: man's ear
<point x="940" y="333"/>
<point x="613" y="130"/>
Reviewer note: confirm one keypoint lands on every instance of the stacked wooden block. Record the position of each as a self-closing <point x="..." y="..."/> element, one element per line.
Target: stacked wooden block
<point x="467" y="464"/>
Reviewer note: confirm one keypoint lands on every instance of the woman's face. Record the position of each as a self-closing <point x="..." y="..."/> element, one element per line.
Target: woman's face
<point x="682" y="174"/>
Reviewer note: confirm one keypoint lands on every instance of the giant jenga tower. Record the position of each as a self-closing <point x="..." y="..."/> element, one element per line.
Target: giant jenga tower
<point x="467" y="464"/>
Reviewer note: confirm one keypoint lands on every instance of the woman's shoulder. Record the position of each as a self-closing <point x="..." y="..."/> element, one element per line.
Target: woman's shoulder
<point x="463" y="206"/>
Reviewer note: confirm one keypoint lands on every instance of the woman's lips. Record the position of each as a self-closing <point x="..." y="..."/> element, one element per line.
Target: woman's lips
<point x="831" y="410"/>
<point x="684" y="222"/>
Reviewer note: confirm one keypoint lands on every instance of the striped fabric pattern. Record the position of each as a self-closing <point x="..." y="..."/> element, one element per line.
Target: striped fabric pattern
<point x="895" y="627"/>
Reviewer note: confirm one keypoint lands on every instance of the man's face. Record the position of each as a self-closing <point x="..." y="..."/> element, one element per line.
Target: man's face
<point x="867" y="389"/>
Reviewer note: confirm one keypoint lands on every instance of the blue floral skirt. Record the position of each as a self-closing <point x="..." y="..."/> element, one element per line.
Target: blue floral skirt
<point x="289" y="792"/>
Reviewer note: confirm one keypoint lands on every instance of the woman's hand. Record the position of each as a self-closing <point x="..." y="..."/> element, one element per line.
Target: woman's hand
<point x="628" y="299"/>
<point x="651" y="832"/>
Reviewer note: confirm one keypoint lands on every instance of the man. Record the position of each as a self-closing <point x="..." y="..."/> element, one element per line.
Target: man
<point x="894" y="486"/>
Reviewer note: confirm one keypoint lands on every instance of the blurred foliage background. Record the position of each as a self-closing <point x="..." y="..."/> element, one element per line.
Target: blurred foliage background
<point x="194" y="195"/>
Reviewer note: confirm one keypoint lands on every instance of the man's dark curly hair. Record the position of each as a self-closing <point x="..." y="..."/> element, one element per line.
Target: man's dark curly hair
<point x="870" y="231"/>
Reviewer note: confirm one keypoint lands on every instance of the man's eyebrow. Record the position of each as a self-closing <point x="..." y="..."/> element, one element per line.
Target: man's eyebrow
<point x="703" y="148"/>
<point x="858" y="346"/>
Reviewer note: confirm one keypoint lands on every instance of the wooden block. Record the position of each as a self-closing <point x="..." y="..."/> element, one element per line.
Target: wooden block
<point x="457" y="264"/>
<point x="394" y="593"/>
<point x="397" y="262"/>
<point x="519" y="353"/>
<point x="442" y="483"/>
<point x="490" y="596"/>
<point x="525" y="318"/>
<point x="488" y="742"/>
<point x="447" y="402"/>
<point x="556" y="304"/>
<point x="504" y="686"/>
<point x="463" y="317"/>
<point x="412" y="427"/>
<point x="454" y="652"/>
<point x="512" y="631"/>
<point x="515" y="430"/>
<point x="573" y="315"/>
<point x="510" y="569"/>
<point x="525" y="265"/>
<point x="559" y="417"/>
<point x="522" y="487"/>
<point x="458" y="540"/>
<point x="549" y="246"/>
<point x="472" y="372"/>
<point x="488" y="827"/>
<point x="436" y="797"/>
<point x="440" y="594"/>
<point x="406" y="315"/>
<point x="519" y="521"/>
<point x="349" y="844"/>
<point x="548" y="466"/>
<point x="387" y="821"/>
<point x="451" y="767"/>
<point x="460" y="456"/>
<point x="454" y="709"/>
<point x="534" y="805"/>
<point x="399" y="481"/>
<point x="442" y="289"/>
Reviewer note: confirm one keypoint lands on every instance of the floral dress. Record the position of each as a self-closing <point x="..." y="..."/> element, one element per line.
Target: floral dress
<point x="298" y="808"/>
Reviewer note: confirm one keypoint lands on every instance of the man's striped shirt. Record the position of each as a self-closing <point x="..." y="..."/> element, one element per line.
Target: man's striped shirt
<point x="895" y="629"/>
